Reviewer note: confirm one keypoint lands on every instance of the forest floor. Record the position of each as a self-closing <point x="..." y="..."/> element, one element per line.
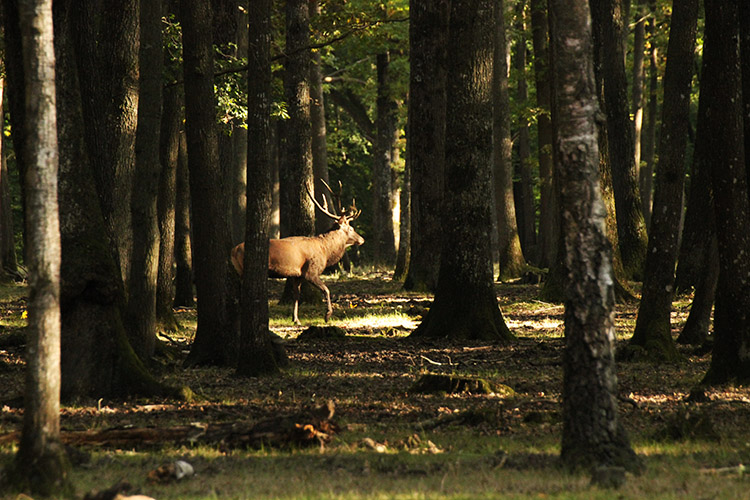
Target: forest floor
<point x="394" y="442"/>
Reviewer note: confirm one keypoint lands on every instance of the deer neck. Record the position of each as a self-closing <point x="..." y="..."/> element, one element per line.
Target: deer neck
<point x="335" y="243"/>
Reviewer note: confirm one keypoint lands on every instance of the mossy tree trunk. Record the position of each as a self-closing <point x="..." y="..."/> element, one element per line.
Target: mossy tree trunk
<point x="653" y="330"/>
<point x="465" y="305"/>
<point x="592" y="432"/>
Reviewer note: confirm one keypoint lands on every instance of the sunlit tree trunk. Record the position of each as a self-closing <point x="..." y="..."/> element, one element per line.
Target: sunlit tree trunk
<point x="592" y="433"/>
<point x="41" y="464"/>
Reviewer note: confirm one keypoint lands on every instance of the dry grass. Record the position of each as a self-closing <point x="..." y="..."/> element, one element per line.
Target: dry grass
<point x="466" y="446"/>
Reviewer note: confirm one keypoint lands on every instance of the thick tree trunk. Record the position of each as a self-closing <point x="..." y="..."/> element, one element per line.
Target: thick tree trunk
<point x="592" y="433"/>
<point x="41" y="464"/>
<point x="465" y="305"/>
<point x="653" y="330"/>
<point x="512" y="262"/>
<point x="107" y="38"/>
<point x="549" y="214"/>
<point x="383" y="242"/>
<point x="144" y="268"/>
<point x="97" y="359"/>
<point x="215" y="338"/>
<point x="721" y="83"/>
<point x="426" y="143"/>
<point x="608" y="17"/>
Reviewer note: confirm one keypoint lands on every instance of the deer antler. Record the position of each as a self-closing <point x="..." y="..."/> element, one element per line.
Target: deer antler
<point x="323" y="209"/>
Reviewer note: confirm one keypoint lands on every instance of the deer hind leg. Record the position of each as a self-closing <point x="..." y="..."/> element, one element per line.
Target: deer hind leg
<point x="323" y="288"/>
<point x="296" y="287"/>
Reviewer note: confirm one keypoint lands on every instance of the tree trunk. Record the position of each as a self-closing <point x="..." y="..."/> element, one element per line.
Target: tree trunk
<point x="523" y="189"/>
<point x="722" y="84"/>
<point x="215" y="338"/>
<point x="653" y="330"/>
<point x="183" y="286"/>
<point x="169" y="137"/>
<point x="41" y="464"/>
<point x="512" y="263"/>
<point x="646" y="174"/>
<point x="404" y="241"/>
<point x="97" y="359"/>
<point x="8" y="262"/>
<point x="608" y="18"/>
<point x="426" y="144"/>
<point x="144" y="269"/>
<point x="107" y="39"/>
<point x="465" y="305"/>
<point x="384" y="251"/>
<point x="592" y="433"/>
<point x="256" y="352"/>
<point x="639" y="46"/>
<point x="549" y="214"/>
<point x="695" y="331"/>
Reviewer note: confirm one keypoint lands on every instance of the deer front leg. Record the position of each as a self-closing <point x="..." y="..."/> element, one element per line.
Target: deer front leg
<point x="323" y="288"/>
<point x="296" y="287"/>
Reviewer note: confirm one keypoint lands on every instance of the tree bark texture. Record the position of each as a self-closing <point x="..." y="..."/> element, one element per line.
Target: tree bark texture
<point x="722" y="84"/>
<point x="428" y="29"/>
<point x="549" y="214"/>
<point x="169" y="145"/>
<point x="653" y="329"/>
<point x="695" y="331"/>
<point x="8" y="261"/>
<point x="215" y="339"/>
<point x="592" y="432"/>
<point x="144" y="267"/>
<point x="383" y="241"/>
<point x="256" y="352"/>
<point x="404" y="241"/>
<point x="609" y="18"/>
<point x="465" y="305"/>
<point x="639" y="47"/>
<point x="41" y="461"/>
<point x="107" y="38"/>
<point x="511" y="259"/>
<point x="183" y="281"/>
<point x="97" y="359"/>
<point x="648" y="139"/>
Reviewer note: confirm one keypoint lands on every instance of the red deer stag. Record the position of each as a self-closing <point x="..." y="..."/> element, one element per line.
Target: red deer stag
<point x="305" y="257"/>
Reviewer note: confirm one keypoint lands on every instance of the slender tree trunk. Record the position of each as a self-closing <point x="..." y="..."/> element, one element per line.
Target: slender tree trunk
<point x="653" y="330"/>
<point x="426" y="144"/>
<point x="608" y="17"/>
<point x="592" y="433"/>
<point x="465" y="305"/>
<point x="512" y="263"/>
<point x="523" y="190"/>
<point x="144" y="268"/>
<point x="549" y="214"/>
<point x="695" y="331"/>
<point x="256" y="352"/>
<point x="169" y="137"/>
<point x="404" y="241"/>
<point x="8" y="261"/>
<point x="184" y="294"/>
<point x="639" y="47"/>
<point x="239" y="140"/>
<point x="648" y="139"/>
<point x="319" y="147"/>
<point x="384" y="251"/>
<point x="41" y="464"/>
<point x="215" y="339"/>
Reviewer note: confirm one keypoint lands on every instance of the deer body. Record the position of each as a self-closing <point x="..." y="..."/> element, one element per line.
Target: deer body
<point x="305" y="257"/>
